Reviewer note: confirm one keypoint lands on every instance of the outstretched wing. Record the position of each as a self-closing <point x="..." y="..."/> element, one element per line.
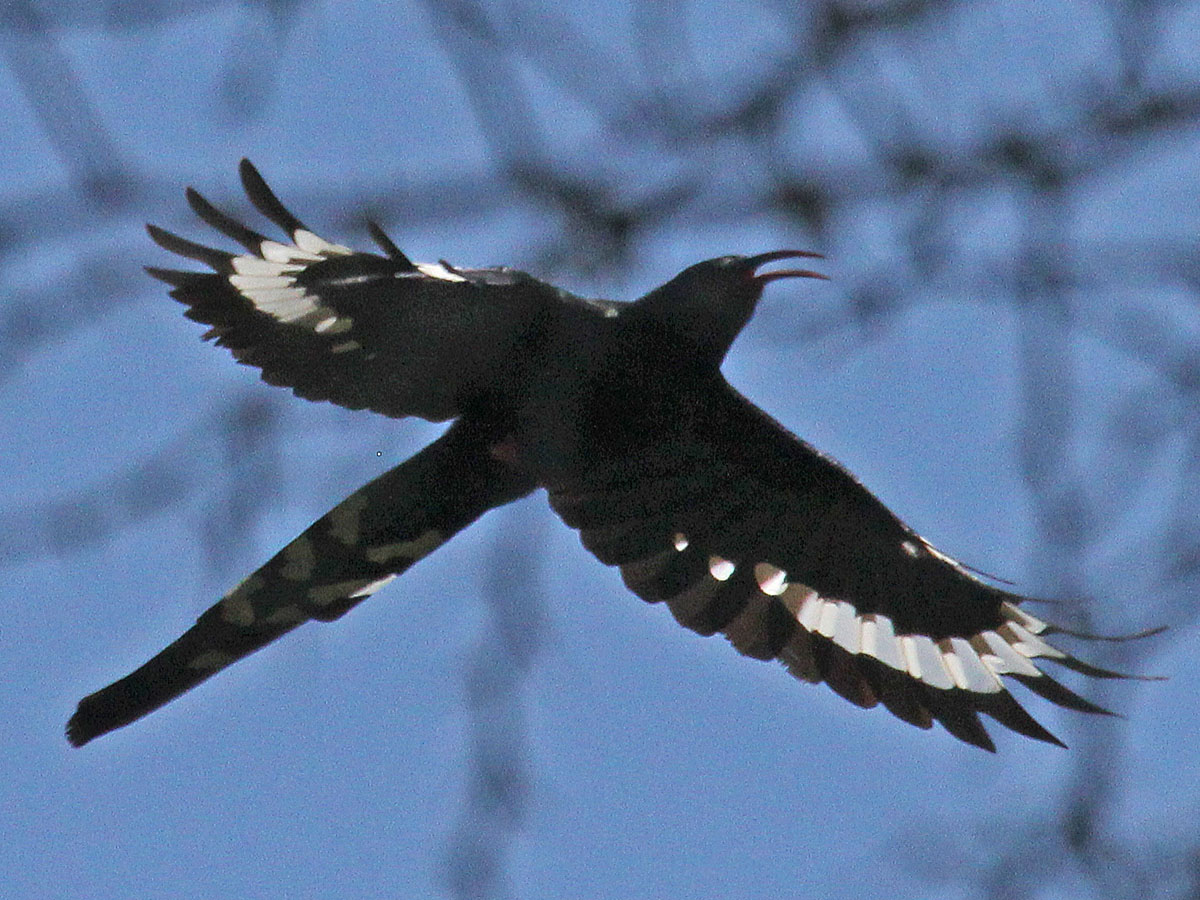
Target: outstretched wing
<point x="360" y="329"/>
<point x="742" y="528"/>
<point x="344" y="557"/>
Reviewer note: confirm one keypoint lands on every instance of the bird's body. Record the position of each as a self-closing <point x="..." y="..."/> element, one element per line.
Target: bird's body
<point x="619" y="411"/>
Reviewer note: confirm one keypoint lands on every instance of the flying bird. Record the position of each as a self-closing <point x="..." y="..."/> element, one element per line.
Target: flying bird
<point x="619" y="411"/>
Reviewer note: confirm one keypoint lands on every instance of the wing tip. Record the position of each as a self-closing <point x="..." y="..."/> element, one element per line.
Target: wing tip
<point x="385" y="243"/>
<point x="173" y="277"/>
<point x="265" y="200"/>
<point x="218" y="260"/>
<point x="226" y="225"/>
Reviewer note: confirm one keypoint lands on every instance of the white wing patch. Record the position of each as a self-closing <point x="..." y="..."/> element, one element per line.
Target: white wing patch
<point x="720" y="569"/>
<point x="268" y="281"/>
<point x="970" y="664"/>
<point x="438" y="271"/>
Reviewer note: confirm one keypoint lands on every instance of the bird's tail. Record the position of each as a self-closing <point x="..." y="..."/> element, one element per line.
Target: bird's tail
<point x="341" y="559"/>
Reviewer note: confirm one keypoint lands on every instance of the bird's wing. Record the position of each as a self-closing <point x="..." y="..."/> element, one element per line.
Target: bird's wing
<point x="344" y="557"/>
<point x="360" y="329"/>
<point x="742" y="528"/>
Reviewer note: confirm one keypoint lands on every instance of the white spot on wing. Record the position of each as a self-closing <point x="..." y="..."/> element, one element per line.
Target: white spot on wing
<point x="719" y="568"/>
<point x="246" y="283"/>
<point x="999" y="656"/>
<point x="950" y="663"/>
<point x="809" y="615"/>
<point x="847" y="630"/>
<point x="794" y="596"/>
<point x="1032" y="624"/>
<point x="839" y="622"/>
<point x="286" y="253"/>
<point x="879" y="640"/>
<point x="438" y="271"/>
<point x="269" y="298"/>
<point x="827" y="625"/>
<point x="345" y="347"/>
<point x="325" y="324"/>
<point x="680" y="542"/>
<point x="266" y="280"/>
<point x="275" y="294"/>
<point x="771" y="580"/>
<point x="256" y="265"/>
<point x="1027" y="644"/>
<point x="925" y="661"/>
<point x="966" y="668"/>
<point x="311" y="243"/>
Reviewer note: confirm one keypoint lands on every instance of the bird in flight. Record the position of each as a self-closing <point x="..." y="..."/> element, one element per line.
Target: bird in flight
<point x="620" y="412"/>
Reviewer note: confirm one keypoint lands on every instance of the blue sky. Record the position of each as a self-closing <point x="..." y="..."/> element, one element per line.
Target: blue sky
<point x="655" y="763"/>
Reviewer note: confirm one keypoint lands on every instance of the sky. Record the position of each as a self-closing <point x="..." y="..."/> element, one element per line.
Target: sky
<point x="344" y="760"/>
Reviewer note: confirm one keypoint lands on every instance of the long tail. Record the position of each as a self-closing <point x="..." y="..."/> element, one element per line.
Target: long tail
<point x="341" y="559"/>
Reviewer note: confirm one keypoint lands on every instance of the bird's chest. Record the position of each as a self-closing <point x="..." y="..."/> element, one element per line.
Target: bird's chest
<point x="604" y="410"/>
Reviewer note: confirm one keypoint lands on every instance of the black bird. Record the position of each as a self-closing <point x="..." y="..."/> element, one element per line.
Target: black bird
<point x="620" y="412"/>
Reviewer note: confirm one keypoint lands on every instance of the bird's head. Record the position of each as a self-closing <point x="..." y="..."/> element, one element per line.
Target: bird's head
<point x="705" y="306"/>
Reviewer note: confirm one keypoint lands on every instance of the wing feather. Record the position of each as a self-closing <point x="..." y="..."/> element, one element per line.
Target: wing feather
<point x="824" y="577"/>
<point x="363" y="330"/>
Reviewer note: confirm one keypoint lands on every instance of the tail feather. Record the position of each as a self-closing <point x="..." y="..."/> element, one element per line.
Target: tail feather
<point x="356" y="548"/>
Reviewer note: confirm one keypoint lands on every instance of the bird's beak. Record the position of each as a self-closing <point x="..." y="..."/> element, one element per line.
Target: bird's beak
<point x="753" y="262"/>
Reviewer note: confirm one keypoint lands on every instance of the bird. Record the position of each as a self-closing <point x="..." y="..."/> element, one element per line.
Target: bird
<point x="619" y="412"/>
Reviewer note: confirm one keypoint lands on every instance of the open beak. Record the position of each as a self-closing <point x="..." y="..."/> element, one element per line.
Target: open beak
<point x="753" y="262"/>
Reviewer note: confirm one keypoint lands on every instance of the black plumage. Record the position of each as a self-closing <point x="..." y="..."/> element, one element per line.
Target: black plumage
<point x="619" y="411"/>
